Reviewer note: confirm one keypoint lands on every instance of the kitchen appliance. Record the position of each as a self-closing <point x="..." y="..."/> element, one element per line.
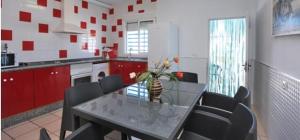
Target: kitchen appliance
<point x="81" y="73"/>
<point x="7" y="60"/>
<point x="97" y="68"/>
<point x="163" y="43"/>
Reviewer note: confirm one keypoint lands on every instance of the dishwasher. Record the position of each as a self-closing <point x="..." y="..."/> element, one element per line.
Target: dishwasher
<point x="98" y="68"/>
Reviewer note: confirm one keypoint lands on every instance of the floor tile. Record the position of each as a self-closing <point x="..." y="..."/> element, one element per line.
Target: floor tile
<point x="45" y="119"/>
<point x="57" y="133"/>
<point x="115" y="135"/>
<point x="263" y="138"/>
<point x="20" y="129"/>
<point x="57" y="112"/>
<point x="53" y="137"/>
<point x="53" y="126"/>
<point x="32" y="135"/>
<point x="5" y="136"/>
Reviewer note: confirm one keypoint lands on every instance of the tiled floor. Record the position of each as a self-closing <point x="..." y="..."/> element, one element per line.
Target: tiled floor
<point x="30" y="130"/>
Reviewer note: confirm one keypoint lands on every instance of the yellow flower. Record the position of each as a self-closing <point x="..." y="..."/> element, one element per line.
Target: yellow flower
<point x="166" y="63"/>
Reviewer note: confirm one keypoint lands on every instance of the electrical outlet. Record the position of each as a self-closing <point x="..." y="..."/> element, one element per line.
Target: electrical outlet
<point x="285" y="85"/>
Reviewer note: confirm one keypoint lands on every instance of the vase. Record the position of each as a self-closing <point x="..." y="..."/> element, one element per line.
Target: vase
<point x="156" y="90"/>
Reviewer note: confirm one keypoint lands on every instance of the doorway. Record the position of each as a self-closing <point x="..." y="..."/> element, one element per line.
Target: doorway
<point x="227" y="55"/>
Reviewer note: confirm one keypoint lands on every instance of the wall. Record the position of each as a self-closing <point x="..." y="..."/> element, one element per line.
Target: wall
<point x="129" y="11"/>
<point x="31" y="44"/>
<point x="277" y="61"/>
<point x="192" y="18"/>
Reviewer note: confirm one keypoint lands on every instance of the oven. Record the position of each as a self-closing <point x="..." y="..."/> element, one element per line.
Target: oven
<point x="81" y="73"/>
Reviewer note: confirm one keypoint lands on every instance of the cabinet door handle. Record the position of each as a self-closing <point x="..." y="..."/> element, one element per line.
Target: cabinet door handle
<point x="56" y="72"/>
<point x="11" y="79"/>
<point x="52" y="73"/>
<point x="4" y="80"/>
<point x="139" y="66"/>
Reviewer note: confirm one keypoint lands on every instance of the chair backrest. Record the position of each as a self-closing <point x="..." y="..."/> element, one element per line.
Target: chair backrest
<point x="243" y="125"/>
<point x="188" y="77"/>
<point x="243" y="96"/>
<point x="74" y="96"/>
<point x="88" y="131"/>
<point x="111" y="83"/>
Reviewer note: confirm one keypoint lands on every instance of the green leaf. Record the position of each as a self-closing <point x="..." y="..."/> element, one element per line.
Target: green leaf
<point x="144" y="76"/>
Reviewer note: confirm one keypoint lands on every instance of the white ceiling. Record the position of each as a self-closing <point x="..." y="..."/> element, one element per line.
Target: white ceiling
<point x="111" y="2"/>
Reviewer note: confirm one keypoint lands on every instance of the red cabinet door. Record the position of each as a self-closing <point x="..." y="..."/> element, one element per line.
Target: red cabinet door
<point x="127" y="69"/>
<point x="114" y="68"/>
<point x="50" y="84"/>
<point x="45" y="86"/>
<point x="63" y="81"/>
<point x="17" y="92"/>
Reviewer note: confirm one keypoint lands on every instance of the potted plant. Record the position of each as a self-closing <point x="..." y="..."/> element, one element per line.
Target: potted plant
<point x="151" y="77"/>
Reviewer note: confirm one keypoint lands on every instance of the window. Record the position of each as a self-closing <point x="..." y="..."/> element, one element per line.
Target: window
<point x="137" y="37"/>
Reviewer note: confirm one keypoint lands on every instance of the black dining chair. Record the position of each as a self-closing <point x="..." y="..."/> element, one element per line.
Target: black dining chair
<point x="74" y="96"/>
<point x="202" y="125"/>
<point x="111" y="83"/>
<point x="211" y="100"/>
<point x="187" y="77"/>
<point x="88" y="131"/>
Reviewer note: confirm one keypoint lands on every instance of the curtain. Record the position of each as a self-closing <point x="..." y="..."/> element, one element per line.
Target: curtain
<point x="227" y="55"/>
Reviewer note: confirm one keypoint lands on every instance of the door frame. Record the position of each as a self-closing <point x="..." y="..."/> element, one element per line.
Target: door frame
<point x="249" y="49"/>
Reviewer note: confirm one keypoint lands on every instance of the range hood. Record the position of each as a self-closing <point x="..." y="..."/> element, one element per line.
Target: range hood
<point x="69" y="24"/>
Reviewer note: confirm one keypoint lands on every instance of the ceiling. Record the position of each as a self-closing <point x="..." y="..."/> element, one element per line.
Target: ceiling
<point x="111" y="2"/>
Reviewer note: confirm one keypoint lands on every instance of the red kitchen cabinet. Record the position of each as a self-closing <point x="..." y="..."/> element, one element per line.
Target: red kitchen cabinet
<point x="50" y="84"/>
<point x="17" y="94"/>
<point x="124" y="68"/>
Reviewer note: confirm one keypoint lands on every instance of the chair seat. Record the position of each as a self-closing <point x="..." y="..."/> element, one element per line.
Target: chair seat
<point x="188" y="135"/>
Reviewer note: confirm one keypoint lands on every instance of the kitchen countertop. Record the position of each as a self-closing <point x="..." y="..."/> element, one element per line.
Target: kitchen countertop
<point x="32" y="65"/>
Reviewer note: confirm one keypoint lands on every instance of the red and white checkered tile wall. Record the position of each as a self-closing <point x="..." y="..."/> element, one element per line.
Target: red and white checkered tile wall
<point x="129" y="11"/>
<point x="27" y="28"/>
<point x="28" y="25"/>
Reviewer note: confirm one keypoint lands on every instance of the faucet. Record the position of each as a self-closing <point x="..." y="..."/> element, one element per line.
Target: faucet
<point x="130" y="49"/>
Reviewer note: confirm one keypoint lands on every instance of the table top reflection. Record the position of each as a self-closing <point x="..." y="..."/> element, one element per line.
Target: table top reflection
<point x="129" y="109"/>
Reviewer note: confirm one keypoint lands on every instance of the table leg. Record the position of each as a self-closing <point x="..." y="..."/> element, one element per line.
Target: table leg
<point x="124" y="136"/>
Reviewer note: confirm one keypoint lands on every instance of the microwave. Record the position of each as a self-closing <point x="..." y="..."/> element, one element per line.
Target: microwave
<point x="7" y="59"/>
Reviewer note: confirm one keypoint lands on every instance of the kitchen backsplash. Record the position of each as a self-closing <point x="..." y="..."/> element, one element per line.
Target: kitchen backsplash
<point x="28" y="25"/>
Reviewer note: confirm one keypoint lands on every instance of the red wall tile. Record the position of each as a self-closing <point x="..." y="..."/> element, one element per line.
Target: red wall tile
<point x="104" y="16"/>
<point x="85" y="4"/>
<point x="116" y="45"/>
<point x="93" y="20"/>
<point x="120" y="34"/>
<point x="73" y="38"/>
<point x="83" y="24"/>
<point x="63" y="53"/>
<point x="103" y="40"/>
<point x="56" y="13"/>
<point x="111" y="11"/>
<point x="97" y="52"/>
<point x="114" y="28"/>
<point x="43" y="28"/>
<point x="85" y="46"/>
<point x="141" y="11"/>
<point x="25" y="16"/>
<point x="103" y="28"/>
<point x="93" y="33"/>
<point x="139" y="1"/>
<point x="42" y="3"/>
<point x="76" y="9"/>
<point x="130" y="8"/>
<point x="6" y="34"/>
<point x="27" y="45"/>
<point x="119" y="22"/>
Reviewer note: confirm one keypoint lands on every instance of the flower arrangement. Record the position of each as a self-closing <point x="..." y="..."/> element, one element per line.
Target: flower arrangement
<point x="151" y="77"/>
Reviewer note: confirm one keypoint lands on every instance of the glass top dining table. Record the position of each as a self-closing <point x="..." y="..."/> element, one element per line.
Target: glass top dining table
<point x="129" y="110"/>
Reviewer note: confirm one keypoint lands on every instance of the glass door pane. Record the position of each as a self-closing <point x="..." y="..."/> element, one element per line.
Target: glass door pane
<point x="227" y="55"/>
